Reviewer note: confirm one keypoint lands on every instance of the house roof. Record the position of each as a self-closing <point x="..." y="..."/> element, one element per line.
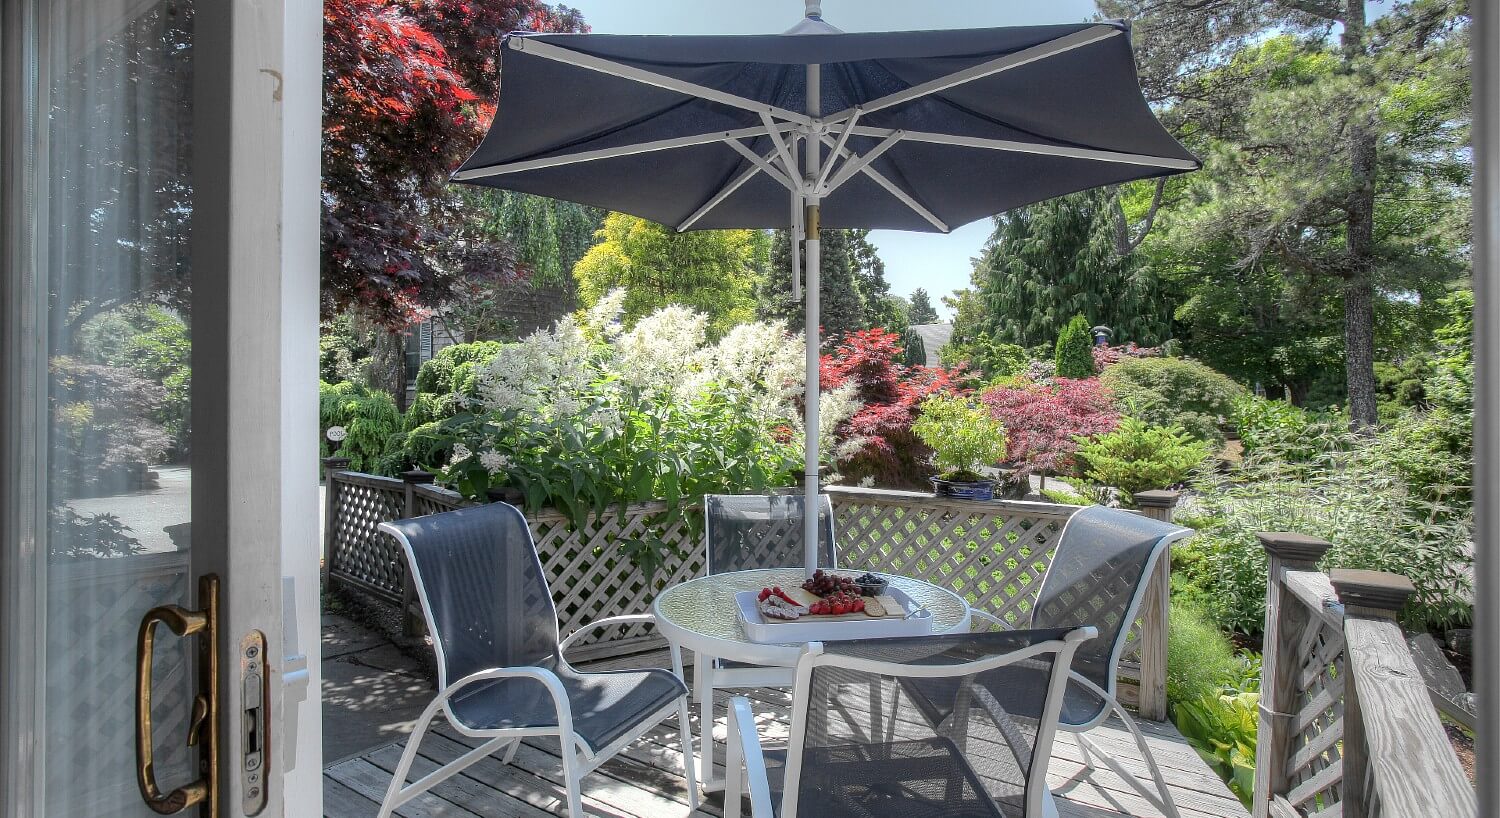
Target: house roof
<point x="934" y="337"/>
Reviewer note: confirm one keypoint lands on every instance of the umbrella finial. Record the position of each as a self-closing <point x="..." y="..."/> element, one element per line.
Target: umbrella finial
<point x="815" y="9"/>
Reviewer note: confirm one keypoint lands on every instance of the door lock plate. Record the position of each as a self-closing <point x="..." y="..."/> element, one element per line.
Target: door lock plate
<point x="254" y="704"/>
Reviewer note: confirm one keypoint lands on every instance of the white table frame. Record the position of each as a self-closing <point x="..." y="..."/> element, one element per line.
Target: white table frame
<point x="774" y="663"/>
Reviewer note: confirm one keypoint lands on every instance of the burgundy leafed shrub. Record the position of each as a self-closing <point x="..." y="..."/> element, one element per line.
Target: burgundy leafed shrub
<point x="1104" y="356"/>
<point x="1041" y="420"/>
<point x="892" y="393"/>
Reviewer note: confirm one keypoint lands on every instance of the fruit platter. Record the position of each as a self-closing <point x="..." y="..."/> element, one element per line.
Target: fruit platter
<point x="831" y="606"/>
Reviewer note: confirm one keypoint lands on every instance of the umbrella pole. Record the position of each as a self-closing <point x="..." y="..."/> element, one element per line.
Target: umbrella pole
<point x="811" y="264"/>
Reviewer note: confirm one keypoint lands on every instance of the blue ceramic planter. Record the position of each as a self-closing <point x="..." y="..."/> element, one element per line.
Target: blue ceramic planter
<point x="963" y="489"/>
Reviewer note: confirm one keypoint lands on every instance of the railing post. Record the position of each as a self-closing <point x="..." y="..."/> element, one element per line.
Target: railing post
<point x="411" y="619"/>
<point x="1155" y="610"/>
<point x="331" y="467"/>
<point x="1368" y="594"/>
<point x="1286" y="622"/>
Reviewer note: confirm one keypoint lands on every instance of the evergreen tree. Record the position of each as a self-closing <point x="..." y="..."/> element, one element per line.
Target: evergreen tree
<point x="549" y="236"/>
<point x="854" y="294"/>
<point x="711" y="271"/>
<point x="1052" y="260"/>
<point x="1075" y="359"/>
<point x="921" y="310"/>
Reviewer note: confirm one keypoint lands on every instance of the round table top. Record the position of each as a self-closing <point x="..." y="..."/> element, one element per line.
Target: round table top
<point x="701" y="614"/>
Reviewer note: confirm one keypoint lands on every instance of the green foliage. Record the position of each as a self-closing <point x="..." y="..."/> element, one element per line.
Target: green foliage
<point x="344" y="350"/>
<point x="1222" y="727"/>
<point x="549" y="236"/>
<point x="1140" y="457"/>
<point x="964" y="438"/>
<point x="710" y="271"/>
<point x="1262" y="424"/>
<point x="1074" y="355"/>
<point x="1200" y="658"/>
<point x="369" y="417"/>
<point x="921" y="310"/>
<point x="913" y="349"/>
<point x="853" y="291"/>
<point x="444" y="372"/>
<point x="1055" y="259"/>
<point x="153" y="343"/>
<point x="990" y="358"/>
<point x="1174" y="391"/>
<point x="1357" y="492"/>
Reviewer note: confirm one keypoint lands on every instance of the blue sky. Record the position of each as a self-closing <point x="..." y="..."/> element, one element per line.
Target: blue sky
<point x="937" y="263"/>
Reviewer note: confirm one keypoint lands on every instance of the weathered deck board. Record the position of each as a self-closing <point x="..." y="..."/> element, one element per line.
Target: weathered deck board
<point x="646" y="781"/>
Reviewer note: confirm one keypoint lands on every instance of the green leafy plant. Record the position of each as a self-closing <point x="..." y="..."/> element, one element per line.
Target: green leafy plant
<point x="1261" y="423"/>
<point x="1181" y="391"/>
<point x="369" y="417"/>
<point x="1074" y="354"/>
<point x="1138" y="457"/>
<point x="964" y="437"/>
<point x="1213" y="694"/>
<point x="1222" y="727"/>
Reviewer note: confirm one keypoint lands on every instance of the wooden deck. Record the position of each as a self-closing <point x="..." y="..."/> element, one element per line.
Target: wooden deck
<point x="645" y="781"/>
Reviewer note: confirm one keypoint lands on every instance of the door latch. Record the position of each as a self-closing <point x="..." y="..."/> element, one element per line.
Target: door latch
<point x="254" y="703"/>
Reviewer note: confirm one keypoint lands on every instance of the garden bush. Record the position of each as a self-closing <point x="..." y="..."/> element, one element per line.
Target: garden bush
<point x="989" y="358"/>
<point x="1351" y="492"/>
<point x="446" y="372"/>
<point x="153" y="343"/>
<point x="1044" y="421"/>
<point x="105" y="417"/>
<point x="369" y="417"/>
<point x="1140" y="457"/>
<point x="1262" y="423"/>
<point x="1200" y="658"/>
<point x="963" y="437"/>
<point x="1075" y="357"/>
<point x="1167" y="391"/>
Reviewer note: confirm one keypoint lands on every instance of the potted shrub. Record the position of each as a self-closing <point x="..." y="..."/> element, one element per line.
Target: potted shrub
<point x="964" y="439"/>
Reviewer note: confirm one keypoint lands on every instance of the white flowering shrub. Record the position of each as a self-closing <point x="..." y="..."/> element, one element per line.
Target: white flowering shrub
<point x="590" y="413"/>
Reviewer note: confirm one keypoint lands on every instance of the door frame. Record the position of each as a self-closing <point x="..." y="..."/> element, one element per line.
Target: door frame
<point x="255" y="250"/>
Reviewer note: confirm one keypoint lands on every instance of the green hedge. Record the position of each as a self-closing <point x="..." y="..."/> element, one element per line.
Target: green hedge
<point x="369" y="417"/>
<point x="1180" y="391"/>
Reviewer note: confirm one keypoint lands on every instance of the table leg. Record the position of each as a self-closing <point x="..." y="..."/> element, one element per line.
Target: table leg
<point x="703" y="682"/>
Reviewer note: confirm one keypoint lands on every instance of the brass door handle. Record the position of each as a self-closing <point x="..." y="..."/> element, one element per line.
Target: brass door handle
<point x="203" y="729"/>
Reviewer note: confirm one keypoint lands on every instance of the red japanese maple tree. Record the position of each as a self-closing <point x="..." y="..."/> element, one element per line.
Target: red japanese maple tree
<point x="892" y="393"/>
<point x="1041" y="420"/>
<point x="408" y="91"/>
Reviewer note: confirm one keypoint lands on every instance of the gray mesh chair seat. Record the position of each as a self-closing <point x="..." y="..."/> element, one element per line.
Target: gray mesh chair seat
<point x="1098" y="577"/>
<point x="860" y="748"/>
<point x="606" y="706"/>
<point x="502" y="670"/>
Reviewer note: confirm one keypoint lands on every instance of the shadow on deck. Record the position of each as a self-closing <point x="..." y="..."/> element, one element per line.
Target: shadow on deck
<point x="645" y="781"/>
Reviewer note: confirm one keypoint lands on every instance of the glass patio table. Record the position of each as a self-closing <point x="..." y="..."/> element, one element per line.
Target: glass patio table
<point x="702" y="616"/>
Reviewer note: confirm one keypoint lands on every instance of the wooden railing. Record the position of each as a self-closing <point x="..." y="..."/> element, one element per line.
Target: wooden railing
<point x="1346" y="724"/>
<point x="993" y="553"/>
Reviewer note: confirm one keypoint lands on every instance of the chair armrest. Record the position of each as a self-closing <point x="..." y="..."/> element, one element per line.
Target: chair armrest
<point x="975" y="613"/>
<point x="742" y="727"/>
<point x="626" y="619"/>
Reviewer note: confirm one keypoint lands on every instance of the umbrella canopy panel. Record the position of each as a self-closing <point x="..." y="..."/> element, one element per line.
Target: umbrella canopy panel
<point x="923" y="130"/>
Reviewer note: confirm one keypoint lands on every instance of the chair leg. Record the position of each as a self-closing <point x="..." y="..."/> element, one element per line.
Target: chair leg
<point x="571" y="778"/>
<point x="510" y="752"/>
<point x="393" y="793"/>
<point x="1162" y="798"/>
<point x="685" y="734"/>
<point x="1088" y="755"/>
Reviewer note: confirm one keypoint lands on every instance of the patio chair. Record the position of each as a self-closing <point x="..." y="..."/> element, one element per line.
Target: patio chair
<point x="876" y="755"/>
<point x="1098" y="576"/>
<point x="502" y="675"/>
<point x="743" y="532"/>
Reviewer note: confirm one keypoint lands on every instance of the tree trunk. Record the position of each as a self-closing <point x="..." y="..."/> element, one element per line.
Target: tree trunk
<point x="1359" y="287"/>
<point x="388" y="365"/>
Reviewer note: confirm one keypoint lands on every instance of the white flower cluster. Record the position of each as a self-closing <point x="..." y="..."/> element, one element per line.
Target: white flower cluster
<point x="555" y="373"/>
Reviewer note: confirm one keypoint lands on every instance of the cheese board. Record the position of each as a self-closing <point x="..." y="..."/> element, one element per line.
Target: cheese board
<point x="902" y="617"/>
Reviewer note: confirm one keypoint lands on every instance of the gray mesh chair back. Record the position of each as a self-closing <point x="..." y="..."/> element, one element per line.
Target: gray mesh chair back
<point x="1097" y="577"/>
<point x="981" y="749"/>
<point x="483" y="589"/>
<point x="746" y="531"/>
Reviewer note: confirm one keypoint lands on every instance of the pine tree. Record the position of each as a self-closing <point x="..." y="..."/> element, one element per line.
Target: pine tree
<point x="1052" y="260"/>
<point x="853" y="290"/>
<point x="1075" y="359"/>
<point x="921" y="310"/>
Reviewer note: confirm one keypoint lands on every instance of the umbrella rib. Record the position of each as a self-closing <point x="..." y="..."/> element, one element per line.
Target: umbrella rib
<point x="773" y="130"/>
<point x="895" y="190"/>
<point x="857" y="162"/>
<point x="1014" y="146"/>
<point x="838" y="150"/>
<point x="611" y="153"/>
<point x="764" y="165"/>
<point x="724" y="193"/>
<point x="532" y="46"/>
<point x="1061" y="45"/>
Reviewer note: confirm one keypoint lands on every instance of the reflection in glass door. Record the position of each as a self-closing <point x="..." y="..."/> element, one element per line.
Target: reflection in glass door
<point x="110" y="296"/>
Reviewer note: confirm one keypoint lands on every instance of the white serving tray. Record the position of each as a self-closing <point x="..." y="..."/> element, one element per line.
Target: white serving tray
<point x="817" y="628"/>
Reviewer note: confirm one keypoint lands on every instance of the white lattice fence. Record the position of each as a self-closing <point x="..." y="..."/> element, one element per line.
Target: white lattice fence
<point x="992" y="553"/>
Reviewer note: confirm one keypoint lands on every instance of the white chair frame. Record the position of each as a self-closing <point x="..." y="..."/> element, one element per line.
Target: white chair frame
<point x="745" y="763"/>
<point x="578" y="758"/>
<point x="709" y="676"/>
<point x="1161" y="797"/>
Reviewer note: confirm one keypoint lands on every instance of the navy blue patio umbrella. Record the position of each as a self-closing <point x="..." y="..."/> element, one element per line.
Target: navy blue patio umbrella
<point x="916" y="130"/>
